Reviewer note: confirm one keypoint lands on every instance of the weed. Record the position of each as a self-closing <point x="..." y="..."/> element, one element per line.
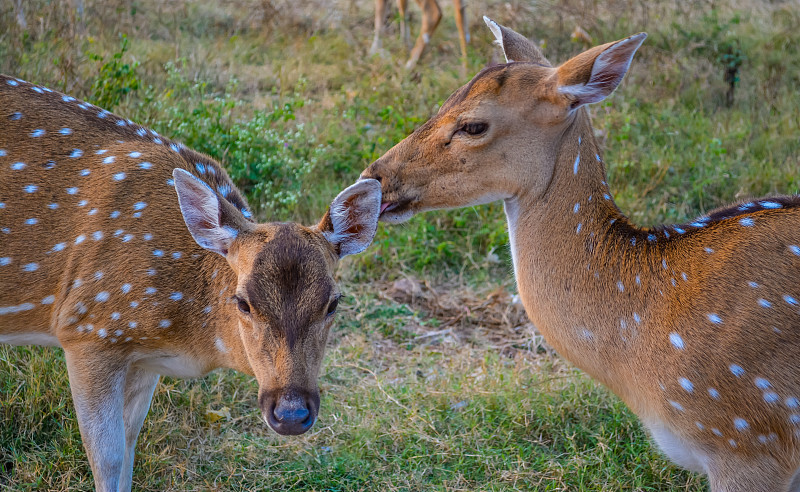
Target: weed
<point x="265" y="153"/>
<point x="115" y="79"/>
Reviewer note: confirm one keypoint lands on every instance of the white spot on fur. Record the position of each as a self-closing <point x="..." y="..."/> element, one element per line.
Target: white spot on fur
<point x="220" y="345"/>
<point x="676" y="405"/>
<point x="27" y="306"/>
<point x="676" y="340"/>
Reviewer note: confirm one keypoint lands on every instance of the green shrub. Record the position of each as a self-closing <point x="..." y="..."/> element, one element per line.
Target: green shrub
<point x="267" y="155"/>
<point x="115" y="80"/>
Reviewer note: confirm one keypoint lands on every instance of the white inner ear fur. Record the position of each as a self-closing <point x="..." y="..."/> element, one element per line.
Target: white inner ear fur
<point x="498" y="35"/>
<point x="199" y="205"/>
<point x="364" y="210"/>
<point x="606" y="74"/>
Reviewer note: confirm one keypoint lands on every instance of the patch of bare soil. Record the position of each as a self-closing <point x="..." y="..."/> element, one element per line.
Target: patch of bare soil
<point x="489" y="318"/>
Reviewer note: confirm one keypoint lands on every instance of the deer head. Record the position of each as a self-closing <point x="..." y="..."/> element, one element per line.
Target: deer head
<point x="503" y="129"/>
<point x="285" y="291"/>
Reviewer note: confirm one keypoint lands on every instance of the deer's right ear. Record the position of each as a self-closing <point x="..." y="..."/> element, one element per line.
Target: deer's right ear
<point x="516" y="47"/>
<point x="203" y="213"/>
<point x="352" y="219"/>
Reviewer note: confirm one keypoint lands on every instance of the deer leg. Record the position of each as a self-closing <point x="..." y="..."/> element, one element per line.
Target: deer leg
<point x="402" y="6"/>
<point x="463" y="30"/>
<point x="380" y="17"/>
<point x="795" y="484"/>
<point x="98" y="394"/>
<point x="139" y="387"/>
<point x="431" y="15"/>
<point x="730" y="475"/>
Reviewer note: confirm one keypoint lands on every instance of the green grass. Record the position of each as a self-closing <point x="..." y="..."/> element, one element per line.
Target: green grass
<point x="396" y="415"/>
<point x="285" y="95"/>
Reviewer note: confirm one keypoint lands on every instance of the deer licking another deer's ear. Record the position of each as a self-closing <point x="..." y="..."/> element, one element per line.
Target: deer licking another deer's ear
<point x="139" y="257"/>
<point x="695" y="326"/>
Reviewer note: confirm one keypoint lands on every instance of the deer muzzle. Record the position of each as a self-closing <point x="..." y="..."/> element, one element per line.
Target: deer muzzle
<point x="291" y="412"/>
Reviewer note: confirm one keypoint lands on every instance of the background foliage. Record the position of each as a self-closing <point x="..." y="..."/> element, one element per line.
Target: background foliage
<point x="434" y="379"/>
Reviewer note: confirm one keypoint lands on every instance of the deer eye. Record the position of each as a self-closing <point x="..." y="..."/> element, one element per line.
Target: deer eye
<point x="242" y="304"/>
<point x="474" y="129"/>
<point x="332" y="307"/>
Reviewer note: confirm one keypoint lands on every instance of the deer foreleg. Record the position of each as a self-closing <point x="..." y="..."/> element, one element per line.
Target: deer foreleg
<point x="431" y="15"/>
<point x="731" y="475"/>
<point x="463" y="29"/>
<point x="98" y="394"/>
<point x="402" y="7"/>
<point x="380" y="17"/>
<point x="139" y="387"/>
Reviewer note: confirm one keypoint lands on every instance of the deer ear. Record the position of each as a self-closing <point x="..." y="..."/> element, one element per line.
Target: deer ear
<point x="352" y="219"/>
<point x="213" y="225"/>
<point x="594" y="74"/>
<point x="516" y="47"/>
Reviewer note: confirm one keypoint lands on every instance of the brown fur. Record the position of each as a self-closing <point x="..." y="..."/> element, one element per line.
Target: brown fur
<point x="661" y="316"/>
<point x="95" y="257"/>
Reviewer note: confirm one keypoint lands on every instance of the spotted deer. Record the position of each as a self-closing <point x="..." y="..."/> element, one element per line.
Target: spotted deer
<point x="140" y="258"/>
<point x="695" y="326"/>
<point x="431" y="15"/>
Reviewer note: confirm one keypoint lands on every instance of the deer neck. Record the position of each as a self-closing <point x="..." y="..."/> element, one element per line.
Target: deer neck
<point x="213" y="329"/>
<point x="576" y="264"/>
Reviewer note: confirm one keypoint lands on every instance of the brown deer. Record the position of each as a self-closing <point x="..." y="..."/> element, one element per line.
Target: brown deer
<point x="695" y="326"/>
<point x="431" y="15"/>
<point x="139" y="257"/>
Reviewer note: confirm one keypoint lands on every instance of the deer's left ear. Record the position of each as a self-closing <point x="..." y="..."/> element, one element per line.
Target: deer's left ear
<point x="516" y="47"/>
<point x="352" y="219"/>
<point x="594" y="74"/>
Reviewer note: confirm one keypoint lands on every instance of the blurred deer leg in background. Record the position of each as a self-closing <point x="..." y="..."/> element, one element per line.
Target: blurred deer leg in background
<point x="20" y="14"/>
<point x="401" y="6"/>
<point x="431" y="15"/>
<point x="380" y="17"/>
<point x="460" y="8"/>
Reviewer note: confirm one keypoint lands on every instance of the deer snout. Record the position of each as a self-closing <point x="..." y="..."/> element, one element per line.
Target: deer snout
<point x="370" y="173"/>
<point x="392" y="192"/>
<point x="385" y="168"/>
<point x="291" y="413"/>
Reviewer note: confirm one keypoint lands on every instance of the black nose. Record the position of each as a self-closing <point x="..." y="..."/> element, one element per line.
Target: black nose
<point x="290" y="414"/>
<point x="371" y="173"/>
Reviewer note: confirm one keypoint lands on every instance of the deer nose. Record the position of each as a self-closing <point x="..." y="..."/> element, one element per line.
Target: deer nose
<point x="369" y="174"/>
<point x="290" y="415"/>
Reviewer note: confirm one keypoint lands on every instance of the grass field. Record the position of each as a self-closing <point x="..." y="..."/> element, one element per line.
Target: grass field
<point x="434" y="380"/>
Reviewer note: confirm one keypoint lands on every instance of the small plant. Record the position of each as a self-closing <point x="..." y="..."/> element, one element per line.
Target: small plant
<point x="115" y="79"/>
<point x="266" y="155"/>
<point x="730" y="56"/>
<point x="715" y="39"/>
